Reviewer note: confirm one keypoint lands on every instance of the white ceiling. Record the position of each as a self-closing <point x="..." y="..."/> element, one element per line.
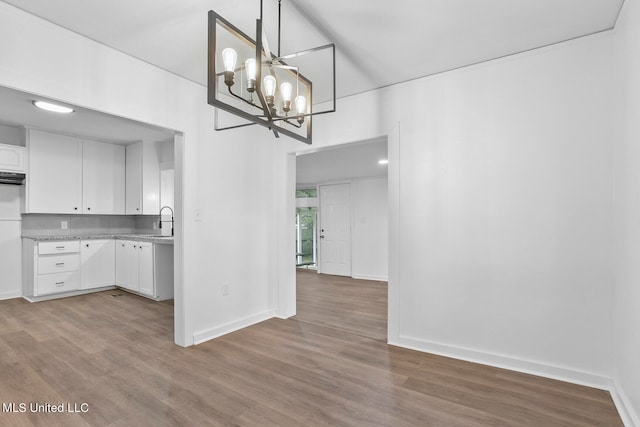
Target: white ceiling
<point x="16" y="109"/>
<point x="378" y="42"/>
<point x="350" y="161"/>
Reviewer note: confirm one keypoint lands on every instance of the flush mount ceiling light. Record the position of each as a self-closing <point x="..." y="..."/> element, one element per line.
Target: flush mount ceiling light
<point x="48" y="106"/>
<point x="258" y="87"/>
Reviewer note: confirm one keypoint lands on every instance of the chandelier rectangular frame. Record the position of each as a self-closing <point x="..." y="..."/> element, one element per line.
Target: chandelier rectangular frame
<point x="266" y="63"/>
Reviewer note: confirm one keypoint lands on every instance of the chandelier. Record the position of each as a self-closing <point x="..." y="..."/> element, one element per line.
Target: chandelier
<point x="259" y="87"/>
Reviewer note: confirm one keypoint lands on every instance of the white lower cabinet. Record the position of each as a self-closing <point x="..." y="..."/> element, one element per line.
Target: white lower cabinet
<point x="58" y="267"/>
<point x="145" y="268"/>
<point x="98" y="263"/>
<point x="127" y="265"/>
<point x="50" y="267"/>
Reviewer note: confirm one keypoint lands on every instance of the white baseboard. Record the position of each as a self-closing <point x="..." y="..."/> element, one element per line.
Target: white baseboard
<point x="371" y="277"/>
<point x="11" y="295"/>
<point x="507" y="362"/>
<point x="218" y="331"/>
<point x="629" y="417"/>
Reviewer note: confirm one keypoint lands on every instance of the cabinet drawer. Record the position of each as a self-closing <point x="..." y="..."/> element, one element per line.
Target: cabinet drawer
<point x="46" y="248"/>
<point x="60" y="282"/>
<point x="58" y="263"/>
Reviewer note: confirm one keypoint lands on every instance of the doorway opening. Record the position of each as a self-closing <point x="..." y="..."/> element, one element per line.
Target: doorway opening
<point x="306" y="229"/>
<point x="342" y="240"/>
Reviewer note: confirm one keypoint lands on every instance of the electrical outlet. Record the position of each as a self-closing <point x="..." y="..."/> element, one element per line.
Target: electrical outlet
<point x="64" y="225"/>
<point x="225" y="289"/>
<point x="154" y="225"/>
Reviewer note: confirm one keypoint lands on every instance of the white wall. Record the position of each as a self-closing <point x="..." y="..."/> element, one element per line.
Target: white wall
<point x="504" y="210"/>
<point x="222" y="230"/>
<point x="370" y="238"/>
<point x="627" y="211"/>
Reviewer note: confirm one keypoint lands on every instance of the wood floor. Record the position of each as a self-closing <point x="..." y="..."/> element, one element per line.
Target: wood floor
<point x="116" y="354"/>
<point x="357" y="306"/>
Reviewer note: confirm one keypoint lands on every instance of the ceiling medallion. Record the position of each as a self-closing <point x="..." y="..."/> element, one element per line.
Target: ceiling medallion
<point x="258" y="87"/>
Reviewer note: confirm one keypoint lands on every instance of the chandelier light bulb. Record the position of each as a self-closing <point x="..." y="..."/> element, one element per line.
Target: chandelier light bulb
<point x="269" y="83"/>
<point x="301" y="107"/>
<point x="301" y="104"/>
<point x="269" y="86"/>
<point x="285" y="91"/>
<point x="229" y="58"/>
<point x="250" y="70"/>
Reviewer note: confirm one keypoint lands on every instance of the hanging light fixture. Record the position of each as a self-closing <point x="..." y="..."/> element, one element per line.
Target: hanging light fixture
<point x="248" y="81"/>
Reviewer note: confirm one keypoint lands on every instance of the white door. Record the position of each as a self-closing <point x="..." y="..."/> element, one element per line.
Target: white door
<point x="335" y="229"/>
<point x="145" y="272"/>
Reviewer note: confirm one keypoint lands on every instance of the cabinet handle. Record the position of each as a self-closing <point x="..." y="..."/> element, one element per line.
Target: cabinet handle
<point x="134" y="246"/>
<point x="58" y="284"/>
<point x="122" y="245"/>
<point x="59" y="264"/>
<point x="75" y="209"/>
<point x="88" y="209"/>
<point x="60" y="247"/>
<point x="87" y="245"/>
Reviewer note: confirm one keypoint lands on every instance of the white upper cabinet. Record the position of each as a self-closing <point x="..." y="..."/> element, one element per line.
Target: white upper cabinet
<point x="68" y="175"/>
<point x="103" y="169"/>
<point x="13" y="158"/>
<point x="142" y="179"/>
<point x="54" y="181"/>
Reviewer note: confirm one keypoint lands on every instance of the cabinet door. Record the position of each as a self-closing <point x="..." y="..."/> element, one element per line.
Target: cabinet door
<point x="133" y="175"/>
<point x="122" y="263"/>
<point x="127" y="265"/>
<point x="142" y="179"/>
<point x="132" y="266"/>
<point x="103" y="176"/>
<point x="97" y="263"/>
<point x="54" y="181"/>
<point x="145" y="260"/>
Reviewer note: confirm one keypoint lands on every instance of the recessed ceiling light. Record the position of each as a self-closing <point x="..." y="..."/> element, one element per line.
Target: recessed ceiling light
<point x="383" y="162"/>
<point x="53" y="107"/>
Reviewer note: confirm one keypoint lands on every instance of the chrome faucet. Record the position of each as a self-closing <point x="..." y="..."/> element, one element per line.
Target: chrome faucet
<point x="160" y="221"/>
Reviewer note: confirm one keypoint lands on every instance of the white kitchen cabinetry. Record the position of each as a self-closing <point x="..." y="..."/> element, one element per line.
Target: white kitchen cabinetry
<point x="68" y="175"/>
<point x="145" y="268"/>
<point x="142" y="179"/>
<point x="127" y="265"/>
<point x="50" y="267"/>
<point x="97" y="263"/>
<point x="13" y="158"/>
<point x="103" y="175"/>
<point x="54" y="181"/>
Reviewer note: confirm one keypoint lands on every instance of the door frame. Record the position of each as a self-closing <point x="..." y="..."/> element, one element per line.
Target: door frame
<point x="285" y="289"/>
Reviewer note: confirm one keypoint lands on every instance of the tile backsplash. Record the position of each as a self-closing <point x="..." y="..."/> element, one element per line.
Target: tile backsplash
<point x="51" y="225"/>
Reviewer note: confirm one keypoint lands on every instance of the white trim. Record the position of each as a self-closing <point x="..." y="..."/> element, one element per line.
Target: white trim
<point x="370" y="277"/>
<point x="67" y="294"/>
<point x="625" y="409"/>
<point x="11" y="295"/>
<point x="218" y="331"/>
<point x="507" y="362"/>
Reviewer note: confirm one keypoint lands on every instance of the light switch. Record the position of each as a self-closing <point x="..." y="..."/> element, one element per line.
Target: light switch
<point x="63" y="225"/>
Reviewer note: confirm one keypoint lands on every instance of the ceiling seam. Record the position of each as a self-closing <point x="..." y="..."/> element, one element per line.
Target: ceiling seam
<point x="497" y="58"/>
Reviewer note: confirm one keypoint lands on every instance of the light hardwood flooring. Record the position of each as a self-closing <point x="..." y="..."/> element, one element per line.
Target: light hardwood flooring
<point x="116" y="354"/>
<point x="357" y="306"/>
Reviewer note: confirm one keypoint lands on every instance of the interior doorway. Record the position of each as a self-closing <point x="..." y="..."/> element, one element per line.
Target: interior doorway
<point x="343" y="231"/>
